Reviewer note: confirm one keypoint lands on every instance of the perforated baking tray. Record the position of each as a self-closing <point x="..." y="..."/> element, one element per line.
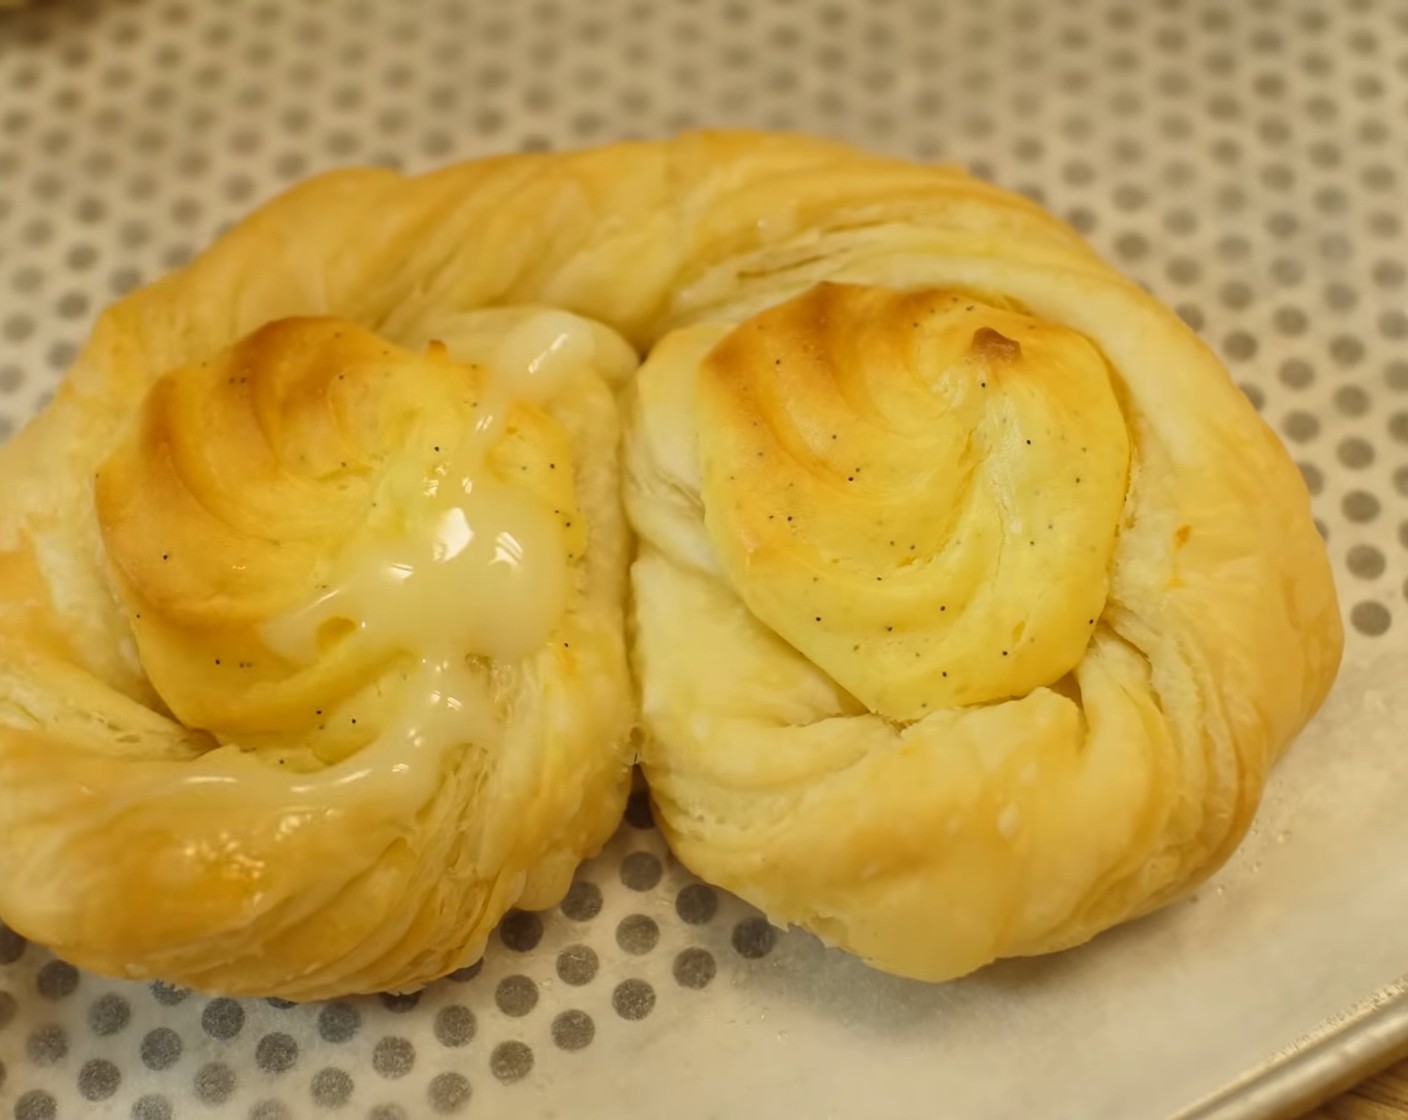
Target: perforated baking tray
<point x="1247" y="160"/>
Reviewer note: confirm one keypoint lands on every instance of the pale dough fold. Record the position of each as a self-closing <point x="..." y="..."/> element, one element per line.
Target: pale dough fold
<point x="972" y="601"/>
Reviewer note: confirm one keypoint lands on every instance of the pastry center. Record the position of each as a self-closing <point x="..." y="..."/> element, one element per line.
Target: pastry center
<point x="918" y="490"/>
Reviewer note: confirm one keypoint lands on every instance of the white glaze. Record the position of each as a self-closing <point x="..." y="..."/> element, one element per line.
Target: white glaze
<point x="482" y="571"/>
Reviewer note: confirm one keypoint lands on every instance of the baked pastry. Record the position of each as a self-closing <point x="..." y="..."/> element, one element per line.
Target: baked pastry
<point x="311" y="648"/>
<point x="935" y="692"/>
<point x="973" y="601"/>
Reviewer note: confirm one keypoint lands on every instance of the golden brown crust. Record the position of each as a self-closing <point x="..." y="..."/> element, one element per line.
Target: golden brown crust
<point x="930" y="823"/>
<point x="920" y="504"/>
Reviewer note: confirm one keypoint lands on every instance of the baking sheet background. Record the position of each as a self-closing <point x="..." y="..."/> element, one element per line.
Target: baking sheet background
<point x="1248" y="161"/>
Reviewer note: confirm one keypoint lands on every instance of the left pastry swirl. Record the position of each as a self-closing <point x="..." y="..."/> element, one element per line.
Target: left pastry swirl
<point x="368" y="688"/>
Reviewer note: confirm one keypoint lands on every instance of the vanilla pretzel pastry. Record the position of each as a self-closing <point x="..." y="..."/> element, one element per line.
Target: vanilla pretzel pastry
<point x="970" y="606"/>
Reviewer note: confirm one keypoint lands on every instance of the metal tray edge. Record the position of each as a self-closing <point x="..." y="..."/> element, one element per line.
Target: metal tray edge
<point x="1335" y="1057"/>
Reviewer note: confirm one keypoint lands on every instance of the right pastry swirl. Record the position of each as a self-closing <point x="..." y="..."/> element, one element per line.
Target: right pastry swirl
<point x="969" y="616"/>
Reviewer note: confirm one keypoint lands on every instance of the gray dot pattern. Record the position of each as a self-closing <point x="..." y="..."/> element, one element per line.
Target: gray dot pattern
<point x="276" y="1053"/>
<point x="161" y="1049"/>
<point x="222" y="1019"/>
<point x="641" y="871"/>
<point x="400" y="1002"/>
<point x="573" y="1030"/>
<point x="521" y="931"/>
<point x="1244" y="162"/>
<point x="516" y="995"/>
<point x="109" y="1014"/>
<point x="36" y="1104"/>
<point x="98" y="1079"/>
<point x="394" y="1057"/>
<point x="455" y="1026"/>
<point x="637" y="934"/>
<point x="633" y="999"/>
<point x="214" y="1083"/>
<point x="511" y="1061"/>
<point x="151" y="1106"/>
<point x="331" y="1088"/>
<point x="47" y="1046"/>
<point x="754" y="938"/>
<point x="338" y="1022"/>
<point x="582" y="902"/>
<point x="696" y="904"/>
<point x="12" y="945"/>
<point x="448" y="1093"/>
<point x="57" y="980"/>
<point x="694" y="968"/>
<point x="577" y="965"/>
<point x="168" y="995"/>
